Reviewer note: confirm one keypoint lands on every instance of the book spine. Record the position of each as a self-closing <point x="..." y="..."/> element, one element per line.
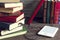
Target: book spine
<point x="57" y="11"/>
<point x="4" y="26"/>
<point x="52" y="12"/>
<point x="48" y="12"/>
<point x="45" y="7"/>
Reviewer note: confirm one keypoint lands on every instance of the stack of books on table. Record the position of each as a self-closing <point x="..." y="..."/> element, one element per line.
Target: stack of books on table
<point x="11" y="18"/>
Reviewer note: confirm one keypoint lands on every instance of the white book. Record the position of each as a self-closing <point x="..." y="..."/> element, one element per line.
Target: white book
<point x="14" y="25"/>
<point x="11" y="5"/>
<point x="11" y="10"/>
<point x="2" y="1"/>
<point x="48" y="31"/>
<point x="4" y="32"/>
<point x="20" y="32"/>
<point x="20" y="17"/>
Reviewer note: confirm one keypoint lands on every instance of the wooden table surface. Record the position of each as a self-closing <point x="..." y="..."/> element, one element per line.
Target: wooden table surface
<point x="32" y="33"/>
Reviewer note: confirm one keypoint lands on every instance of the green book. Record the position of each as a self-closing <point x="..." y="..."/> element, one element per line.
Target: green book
<point x="20" y="32"/>
<point x="48" y="12"/>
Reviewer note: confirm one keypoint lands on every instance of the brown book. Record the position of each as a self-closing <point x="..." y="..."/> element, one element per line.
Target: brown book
<point x="52" y="12"/>
<point x="10" y="14"/>
<point x="45" y="7"/>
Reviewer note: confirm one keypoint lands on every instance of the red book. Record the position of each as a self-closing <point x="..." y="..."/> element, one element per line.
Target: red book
<point x="11" y="19"/>
<point x="56" y="13"/>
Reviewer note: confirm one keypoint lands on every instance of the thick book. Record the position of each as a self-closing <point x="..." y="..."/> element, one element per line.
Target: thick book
<point x="45" y="10"/>
<point x="11" y="18"/>
<point x="3" y="14"/>
<point x="48" y="11"/>
<point x="20" y="32"/>
<point x="10" y="26"/>
<point x="11" y="5"/>
<point x="48" y="31"/>
<point x="52" y="12"/>
<point x="56" y="12"/>
<point x="2" y="1"/>
<point x="11" y="10"/>
<point x="5" y="32"/>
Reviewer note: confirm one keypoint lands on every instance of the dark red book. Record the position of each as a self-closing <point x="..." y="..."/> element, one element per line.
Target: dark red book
<point x="56" y="12"/>
<point x="11" y="19"/>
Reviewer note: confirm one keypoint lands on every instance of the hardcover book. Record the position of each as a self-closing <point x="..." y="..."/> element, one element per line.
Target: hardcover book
<point x="20" y="32"/>
<point x="11" y="10"/>
<point x="1" y="1"/>
<point x="11" y="19"/>
<point x="11" y="5"/>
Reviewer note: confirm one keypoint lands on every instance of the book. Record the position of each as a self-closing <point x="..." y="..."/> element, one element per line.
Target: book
<point x="48" y="11"/>
<point x="11" y="5"/>
<point x="16" y="24"/>
<point x="20" y="32"/>
<point x="1" y="1"/>
<point x="11" y="19"/>
<point x="45" y="7"/>
<point x="48" y="31"/>
<point x="3" y="14"/>
<point x="56" y="12"/>
<point x="5" y="32"/>
<point x="52" y="12"/>
<point x="11" y="10"/>
<point x="10" y="26"/>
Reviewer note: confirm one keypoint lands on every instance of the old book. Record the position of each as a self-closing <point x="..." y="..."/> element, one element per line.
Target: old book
<point x="44" y="15"/>
<point x="11" y="18"/>
<point x="3" y="14"/>
<point x="10" y="26"/>
<point x="52" y="12"/>
<point x="48" y="31"/>
<point x="2" y="1"/>
<point x="48" y="11"/>
<point x="11" y="5"/>
<point x="20" y="32"/>
<point x="4" y="32"/>
<point x="56" y="12"/>
<point x="11" y="10"/>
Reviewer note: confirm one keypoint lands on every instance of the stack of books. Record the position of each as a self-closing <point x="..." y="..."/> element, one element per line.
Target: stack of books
<point x="11" y="18"/>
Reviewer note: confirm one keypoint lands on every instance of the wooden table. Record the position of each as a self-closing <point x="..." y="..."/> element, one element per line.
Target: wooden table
<point x="32" y="33"/>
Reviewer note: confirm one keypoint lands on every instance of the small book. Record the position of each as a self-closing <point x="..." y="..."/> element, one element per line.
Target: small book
<point x="11" y="10"/>
<point x="48" y="31"/>
<point x="20" y="32"/>
<point x="1" y="1"/>
<point x="11" y="5"/>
